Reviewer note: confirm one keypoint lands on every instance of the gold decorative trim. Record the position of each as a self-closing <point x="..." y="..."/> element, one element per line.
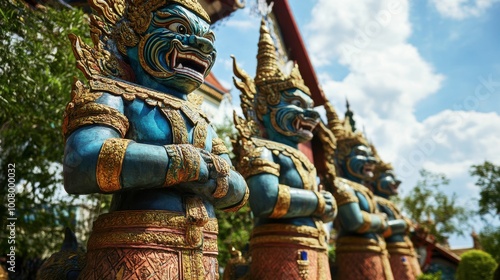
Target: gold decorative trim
<point x="179" y="130"/>
<point x="147" y="238"/>
<point x="109" y="164"/>
<point x="148" y="219"/>
<point x="320" y="209"/>
<point x="284" y="233"/>
<point x="184" y="164"/>
<point x="219" y="147"/>
<point x="282" y="203"/>
<point x="200" y="135"/>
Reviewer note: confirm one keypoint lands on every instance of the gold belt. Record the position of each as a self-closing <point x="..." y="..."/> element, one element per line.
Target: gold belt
<point x="153" y="228"/>
<point x="349" y="244"/>
<point x="282" y="233"/>
<point x="401" y="248"/>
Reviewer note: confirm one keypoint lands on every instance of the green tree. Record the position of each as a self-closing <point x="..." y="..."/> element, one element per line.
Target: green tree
<point x="434" y="210"/>
<point x="488" y="179"/>
<point x="36" y="71"/>
<point x="490" y="241"/>
<point x="476" y="265"/>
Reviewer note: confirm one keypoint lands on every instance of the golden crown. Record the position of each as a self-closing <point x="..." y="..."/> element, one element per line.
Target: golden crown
<point x="269" y="79"/>
<point x="346" y="138"/>
<point x="138" y="15"/>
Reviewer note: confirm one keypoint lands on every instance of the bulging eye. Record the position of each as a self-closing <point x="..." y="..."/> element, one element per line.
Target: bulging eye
<point x="296" y="103"/>
<point x="178" y="27"/>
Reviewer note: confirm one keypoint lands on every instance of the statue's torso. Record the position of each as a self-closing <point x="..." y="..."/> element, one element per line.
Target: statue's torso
<point x="295" y="171"/>
<point x="159" y="119"/>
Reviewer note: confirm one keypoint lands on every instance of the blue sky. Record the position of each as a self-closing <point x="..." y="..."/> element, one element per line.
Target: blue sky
<point x="423" y="78"/>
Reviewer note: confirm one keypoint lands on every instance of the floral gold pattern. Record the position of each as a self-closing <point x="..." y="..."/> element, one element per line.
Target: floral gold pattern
<point x="109" y="164"/>
<point x="184" y="164"/>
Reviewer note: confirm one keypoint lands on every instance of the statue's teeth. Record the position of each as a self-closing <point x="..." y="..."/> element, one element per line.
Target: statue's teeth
<point x="180" y="66"/>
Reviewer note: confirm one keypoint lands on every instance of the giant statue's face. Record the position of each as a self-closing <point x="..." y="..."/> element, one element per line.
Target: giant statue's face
<point x="293" y="119"/>
<point x="177" y="50"/>
<point x="386" y="184"/>
<point x="360" y="164"/>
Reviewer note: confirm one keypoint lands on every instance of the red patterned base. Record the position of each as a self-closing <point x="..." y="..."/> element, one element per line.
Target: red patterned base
<point x="280" y="263"/>
<point x="362" y="265"/>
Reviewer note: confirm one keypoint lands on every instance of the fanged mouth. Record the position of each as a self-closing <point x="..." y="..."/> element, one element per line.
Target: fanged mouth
<point x="368" y="170"/>
<point x="189" y="64"/>
<point x="304" y="125"/>
<point x="394" y="188"/>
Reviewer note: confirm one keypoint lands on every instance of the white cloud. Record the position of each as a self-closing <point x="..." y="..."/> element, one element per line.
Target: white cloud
<point x="461" y="9"/>
<point x="386" y="79"/>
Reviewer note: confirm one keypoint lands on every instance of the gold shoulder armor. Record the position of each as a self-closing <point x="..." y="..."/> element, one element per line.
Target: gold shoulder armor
<point x="252" y="163"/>
<point x="82" y="110"/>
<point x="343" y="193"/>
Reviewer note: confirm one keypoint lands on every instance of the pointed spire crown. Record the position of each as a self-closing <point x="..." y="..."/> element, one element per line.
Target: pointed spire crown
<point x="269" y="79"/>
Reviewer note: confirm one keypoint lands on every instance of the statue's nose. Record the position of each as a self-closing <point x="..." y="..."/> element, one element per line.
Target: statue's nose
<point x="203" y="44"/>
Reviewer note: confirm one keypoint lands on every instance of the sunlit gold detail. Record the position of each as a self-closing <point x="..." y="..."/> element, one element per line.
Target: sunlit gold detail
<point x="109" y="164"/>
<point x="112" y="236"/>
<point x="184" y="164"/>
<point x="149" y="219"/>
<point x="282" y="202"/>
<point x="320" y="209"/>
<point x="197" y="217"/>
<point x="97" y="60"/>
<point x="179" y="130"/>
<point x="200" y="135"/>
<point x="289" y="234"/>
<point x="82" y="110"/>
<point x="140" y="12"/>
<point x="219" y="147"/>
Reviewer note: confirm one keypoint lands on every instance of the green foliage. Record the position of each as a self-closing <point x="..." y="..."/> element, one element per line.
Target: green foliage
<point x="489" y="181"/>
<point x="36" y="71"/>
<point x="433" y="210"/>
<point x="430" y="276"/>
<point x="476" y="265"/>
<point x="490" y="241"/>
<point x="234" y="231"/>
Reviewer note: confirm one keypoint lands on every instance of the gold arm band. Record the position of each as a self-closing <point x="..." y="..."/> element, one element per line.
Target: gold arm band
<point x="240" y="204"/>
<point x="109" y="164"/>
<point x="283" y="203"/>
<point x="367" y="221"/>
<point x="222" y="168"/>
<point x="218" y="147"/>
<point x="184" y="164"/>
<point x="320" y="209"/>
